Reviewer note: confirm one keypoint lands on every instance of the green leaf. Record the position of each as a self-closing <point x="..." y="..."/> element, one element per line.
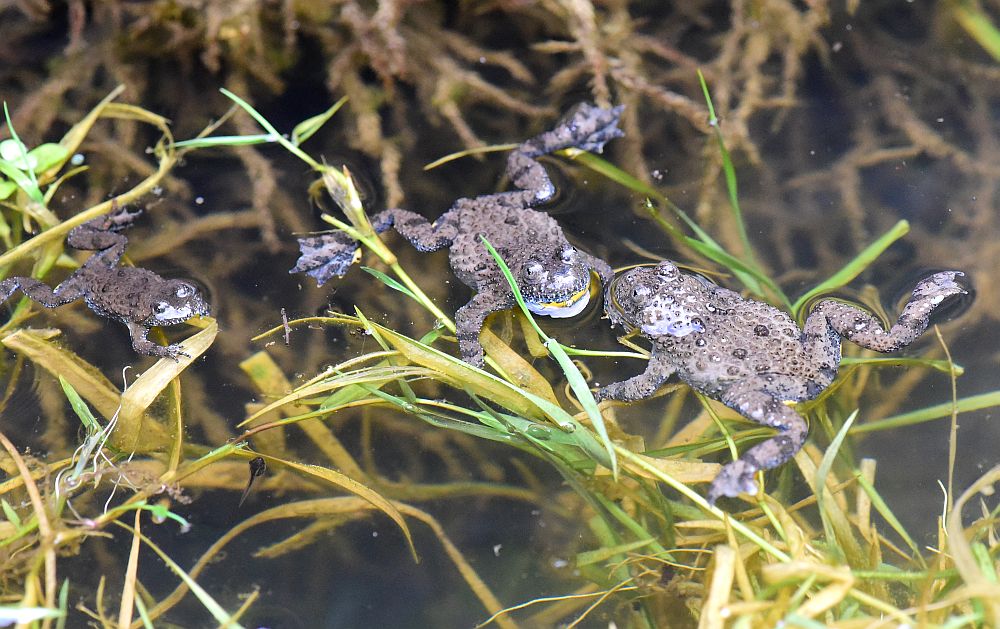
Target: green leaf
<point x="47" y="155"/>
<point x="938" y="411"/>
<point x="31" y="188"/>
<point x="305" y="129"/>
<point x="21" y="180"/>
<point x="80" y="407"/>
<point x="162" y="512"/>
<point x="730" y="173"/>
<point x="10" y="514"/>
<point x="7" y="188"/>
<point x="16" y="154"/>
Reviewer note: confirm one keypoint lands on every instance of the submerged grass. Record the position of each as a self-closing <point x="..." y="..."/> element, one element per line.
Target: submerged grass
<point x="658" y="554"/>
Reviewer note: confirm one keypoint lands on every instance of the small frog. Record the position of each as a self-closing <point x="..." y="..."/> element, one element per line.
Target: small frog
<point x="750" y="356"/>
<point x="138" y="298"/>
<point x="553" y="275"/>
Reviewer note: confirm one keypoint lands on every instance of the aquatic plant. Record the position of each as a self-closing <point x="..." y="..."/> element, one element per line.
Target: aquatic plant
<point x="371" y="403"/>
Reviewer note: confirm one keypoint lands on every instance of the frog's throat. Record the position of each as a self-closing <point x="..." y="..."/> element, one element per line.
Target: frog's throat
<point x="570" y="307"/>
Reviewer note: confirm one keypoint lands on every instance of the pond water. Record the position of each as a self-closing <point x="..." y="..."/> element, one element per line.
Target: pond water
<point x="840" y="125"/>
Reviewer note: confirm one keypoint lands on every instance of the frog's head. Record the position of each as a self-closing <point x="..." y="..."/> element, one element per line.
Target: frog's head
<point x="658" y="300"/>
<point x="176" y="301"/>
<point x="556" y="284"/>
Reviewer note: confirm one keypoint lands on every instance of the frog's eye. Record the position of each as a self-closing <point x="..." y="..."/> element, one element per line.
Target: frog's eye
<point x="667" y="270"/>
<point x="185" y="290"/>
<point x="534" y="272"/>
<point x="567" y="255"/>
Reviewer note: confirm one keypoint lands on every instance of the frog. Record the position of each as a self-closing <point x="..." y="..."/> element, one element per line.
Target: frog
<point x="136" y="297"/>
<point x="555" y="278"/>
<point x="749" y="355"/>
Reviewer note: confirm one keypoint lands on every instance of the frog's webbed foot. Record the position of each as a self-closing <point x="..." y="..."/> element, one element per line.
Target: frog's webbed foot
<point x="586" y="127"/>
<point x="102" y="232"/>
<point x="863" y="329"/>
<point x="142" y="345"/>
<point x="734" y="479"/>
<point x="938" y="287"/>
<point x="761" y="407"/>
<point x="323" y="257"/>
<point x="591" y="127"/>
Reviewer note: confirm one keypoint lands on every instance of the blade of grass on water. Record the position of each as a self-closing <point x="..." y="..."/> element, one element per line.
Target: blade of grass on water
<point x="854" y="268"/>
<point x="576" y="380"/>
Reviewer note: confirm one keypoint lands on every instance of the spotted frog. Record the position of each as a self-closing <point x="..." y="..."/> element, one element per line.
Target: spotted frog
<point x="750" y="356"/>
<point x="554" y="276"/>
<point x="139" y="298"/>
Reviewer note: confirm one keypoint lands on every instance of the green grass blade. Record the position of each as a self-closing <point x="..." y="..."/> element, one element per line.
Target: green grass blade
<point x="703" y="243"/>
<point x="938" y="411"/>
<point x="854" y="268"/>
<point x="978" y="25"/>
<point x="730" y="174"/>
<point x="890" y="517"/>
<point x="227" y="140"/>
<point x="218" y="613"/>
<point x="390" y="282"/>
<point x="32" y="189"/>
<point x="80" y="407"/>
<point x="576" y="380"/>
<point x="305" y="129"/>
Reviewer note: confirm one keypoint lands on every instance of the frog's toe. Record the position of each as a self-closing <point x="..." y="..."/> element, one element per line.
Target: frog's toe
<point x="176" y="352"/>
<point x="940" y="285"/>
<point x="120" y="218"/>
<point x="606" y="129"/>
<point x="735" y="478"/>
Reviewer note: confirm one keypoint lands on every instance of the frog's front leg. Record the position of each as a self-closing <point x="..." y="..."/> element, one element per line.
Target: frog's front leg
<point x="142" y="345"/>
<point x="863" y="329"/>
<point x="469" y="321"/>
<point x="658" y="371"/>
<point x="40" y="292"/>
<point x="750" y="400"/>
<point x="423" y="235"/>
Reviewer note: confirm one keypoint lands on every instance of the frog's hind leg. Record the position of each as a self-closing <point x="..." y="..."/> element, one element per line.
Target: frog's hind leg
<point x="329" y="255"/>
<point x="586" y="127"/>
<point x="863" y="329"/>
<point x="766" y="409"/>
<point x="101" y="235"/>
<point x="40" y="292"/>
<point x="103" y="232"/>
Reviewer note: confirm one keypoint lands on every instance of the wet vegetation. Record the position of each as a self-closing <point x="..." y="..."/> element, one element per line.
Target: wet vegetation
<point x="322" y="458"/>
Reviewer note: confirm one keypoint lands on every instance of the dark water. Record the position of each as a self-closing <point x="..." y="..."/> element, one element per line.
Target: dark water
<point x="888" y="114"/>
